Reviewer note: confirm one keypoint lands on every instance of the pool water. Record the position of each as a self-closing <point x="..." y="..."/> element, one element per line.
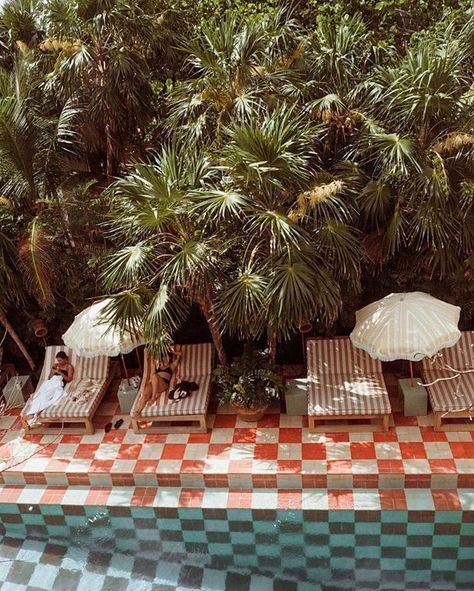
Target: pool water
<point x="153" y="549"/>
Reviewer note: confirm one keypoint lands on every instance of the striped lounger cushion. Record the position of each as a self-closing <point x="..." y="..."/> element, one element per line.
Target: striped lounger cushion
<point x="455" y="394"/>
<point x="195" y="366"/>
<point x="343" y="380"/>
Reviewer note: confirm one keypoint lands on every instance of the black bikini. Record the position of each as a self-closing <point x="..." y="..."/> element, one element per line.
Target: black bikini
<point x="167" y="370"/>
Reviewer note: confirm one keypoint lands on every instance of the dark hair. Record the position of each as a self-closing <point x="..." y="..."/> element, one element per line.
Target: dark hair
<point x="61" y="355"/>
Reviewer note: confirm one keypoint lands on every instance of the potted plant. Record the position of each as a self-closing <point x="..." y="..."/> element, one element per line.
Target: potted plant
<point x="250" y="384"/>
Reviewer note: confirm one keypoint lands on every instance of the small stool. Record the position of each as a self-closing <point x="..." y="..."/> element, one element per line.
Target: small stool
<point x="296" y="397"/>
<point x="126" y="394"/>
<point x="17" y="391"/>
<point x="415" y="397"/>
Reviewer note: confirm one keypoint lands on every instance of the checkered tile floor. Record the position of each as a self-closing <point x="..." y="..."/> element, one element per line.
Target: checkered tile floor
<point x="278" y="452"/>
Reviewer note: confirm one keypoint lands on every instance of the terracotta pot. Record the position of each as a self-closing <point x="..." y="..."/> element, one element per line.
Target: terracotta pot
<point x="40" y="328"/>
<point x="250" y="415"/>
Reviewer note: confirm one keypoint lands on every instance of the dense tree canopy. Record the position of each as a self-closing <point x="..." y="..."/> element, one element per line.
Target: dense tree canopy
<point x="267" y="166"/>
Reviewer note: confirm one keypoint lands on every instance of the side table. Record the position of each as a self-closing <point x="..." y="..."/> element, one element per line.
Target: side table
<point x="17" y="391"/>
<point x="296" y="397"/>
<point x="415" y="397"/>
<point x="126" y="394"/>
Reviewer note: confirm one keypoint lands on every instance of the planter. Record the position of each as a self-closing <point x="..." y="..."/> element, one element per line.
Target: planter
<point x="250" y="415"/>
<point x="39" y="328"/>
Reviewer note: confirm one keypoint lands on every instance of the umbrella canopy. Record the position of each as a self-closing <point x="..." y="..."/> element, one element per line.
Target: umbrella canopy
<point x="406" y="326"/>
<point x="91" y="334"/>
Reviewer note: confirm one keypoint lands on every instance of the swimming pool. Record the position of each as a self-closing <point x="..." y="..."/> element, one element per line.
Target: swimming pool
<point x="166" y="549"/>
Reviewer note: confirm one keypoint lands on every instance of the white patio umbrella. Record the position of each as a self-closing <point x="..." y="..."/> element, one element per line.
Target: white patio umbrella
<point x="91" y="334"/>
<point x="406" y="326"/>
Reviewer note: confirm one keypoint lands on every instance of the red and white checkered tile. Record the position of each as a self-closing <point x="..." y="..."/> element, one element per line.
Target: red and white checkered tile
<point x="277" y="452"/>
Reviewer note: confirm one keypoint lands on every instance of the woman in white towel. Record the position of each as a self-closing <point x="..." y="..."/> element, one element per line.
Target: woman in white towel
<point x="52" y="389"/>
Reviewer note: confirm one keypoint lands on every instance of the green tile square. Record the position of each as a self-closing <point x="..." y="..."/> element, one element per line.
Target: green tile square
<point x="368" y="527"/>
<point x="168" y="524"/>
<point x="242" y="537"/>
<point x="33" y="519"/>
<point x="195" y="536"/>
<point x="9" y="509"/>
<point x="220" y="549"/>
<point x="368" y="552"/>
<point x="419" y="553"/>
<point x="393" y="564"/>
<point x="223" y="525"/>
<point x="420" y="576"/>
<point x="466" y="553"/>
<point x="316" y="527"/>
<point x="420" y="529"/>
<point x="387" y="540"/>
<point x="446" y="541"/>
<point x="59" y="531"/>
<point x="393" y="516"/>
<point x="341" y="516"/>
<point x="51" y="510"/>
<point x="239" y="515"/>
<point x="444" y="565"/>
<point x="142" y="513"/>
<point x="467" y="529"/>
<point x="448" y="516"/>
<point x="342" y="540"/>
<point x="342" y="563"/>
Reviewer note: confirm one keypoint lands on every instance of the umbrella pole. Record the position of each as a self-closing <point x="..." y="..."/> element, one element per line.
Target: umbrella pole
<point x="412" y="384"/>
<point x="125" y="368"/>
<point x="139" y="361"/>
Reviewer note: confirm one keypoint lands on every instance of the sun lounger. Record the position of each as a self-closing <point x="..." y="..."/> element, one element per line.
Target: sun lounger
<point x="91" y="379"/>
<point x="186" y="415"/>
<point x="452" y="398"/>
<point x="345" y="384"/>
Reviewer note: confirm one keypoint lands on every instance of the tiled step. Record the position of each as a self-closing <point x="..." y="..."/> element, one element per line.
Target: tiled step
<point x="211" y="498"/>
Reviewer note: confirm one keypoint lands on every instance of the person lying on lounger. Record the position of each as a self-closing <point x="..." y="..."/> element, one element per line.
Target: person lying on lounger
<point x="52" y="389"/>
<point x="160" y="380"/>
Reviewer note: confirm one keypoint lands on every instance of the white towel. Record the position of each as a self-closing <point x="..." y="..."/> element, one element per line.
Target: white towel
<point x="48" y="394"/>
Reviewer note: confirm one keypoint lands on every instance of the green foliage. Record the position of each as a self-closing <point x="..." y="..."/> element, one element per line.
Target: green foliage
<point x="250" y="381"/>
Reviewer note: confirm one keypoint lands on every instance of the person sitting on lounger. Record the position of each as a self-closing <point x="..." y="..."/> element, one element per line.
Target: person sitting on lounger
<point x="160" y="380"/>
<point x="52" y="389"/>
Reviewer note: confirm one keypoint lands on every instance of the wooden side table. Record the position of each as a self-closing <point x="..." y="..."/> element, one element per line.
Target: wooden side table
<point x="126" y="394"/>
<point x="415" y="397"/>
<point x="17" y="391"/>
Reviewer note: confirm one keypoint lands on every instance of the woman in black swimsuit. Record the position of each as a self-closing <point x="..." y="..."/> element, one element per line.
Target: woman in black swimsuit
<point x="160" y="381"/>
<point x="62" y="368"/>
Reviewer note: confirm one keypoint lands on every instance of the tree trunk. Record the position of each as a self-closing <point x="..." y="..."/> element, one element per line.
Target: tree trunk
<point x="12" y="332"/>
<point x="208" y="311"/>
<point x="272" y="343"/>
<point x="109" y="152"/>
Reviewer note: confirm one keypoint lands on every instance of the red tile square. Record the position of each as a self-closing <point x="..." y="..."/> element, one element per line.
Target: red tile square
<point x="290" y="499"/>
<point x="462" y="449"/>
<point x="101" y="466"/>
<point x="155" y="438"/>
<point x="239" y="499"/>
<point x="146" y="467"/>
<point x="85" y="451"/>
<point x="339" y="467"/>
<point x="390" y="466"/>
<point x="192" y="466"/>
<point x="191" y="497"/>
<point x="313" y="451"/>
<point x="200" y="437"/>
<point x="173" y="451"/>
<point x="289" y="466"/>
<point x="393" y="500"/>
<point x="446" y="500"/>
<point x="361" y="450"/>
<point x="266" y="451"/>
<point x="98" y="496"/>
<point x="225" y="421"/>
<point x="248" y="435"/>
<point x="443" y="466"/>
<point x="385" y="436"/>
<point x="219" y="450"/>
<point x="429" y="434"/>
<point x="337" y="437"/>
<point x="412" y="450"/>
<point x="240" y="467"/>
<point x="129" y="451"/>
<point x="340" y="499"/>
<point x="289" y="435"/>
<point x="269" y="421"/>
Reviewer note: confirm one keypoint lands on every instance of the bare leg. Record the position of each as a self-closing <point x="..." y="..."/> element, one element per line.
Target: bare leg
<point x="159" y="386"/>
<point x="144" y="398"/>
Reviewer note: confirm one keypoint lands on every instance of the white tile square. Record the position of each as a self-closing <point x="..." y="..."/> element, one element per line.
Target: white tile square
<point x="365" y="467"/>
<point x="131" y="437"/>
<point x="123" y="466"/>
<point x="340" y="481"/>
<point x="313" y="467"/>
<point x="419" y="499"/>
<point x="222" y="436"/>
<point x="315" y="499"/>
<point x="263" y="499"/>
<point x="464" y="466"/>
<point x="214" y="498"/>
<point x="94" y="438"/>
<point x="196" y="451"/>
<point x="366" y="500"/>
<point x="264" y="466"/>
<point x="407" y="434"/>
<point x="31" y="494"/>
<point x="169" y="467"/>
<point x="289" y="481"/>
<point x="177" y="438"/>
<point x="438" y="450"/>
<point x="267" y="435"/>
<point x="76" y="495"/>
<point x="291" y="421"/>
<point x="79" y="465"/>
<point x="466" y="498"/>
<point x="65" y="451"/>
<point x="307" y="437"/>
<point x="216" y="466"/>
<point x="167" y="497"/>
<point x="107" y="451"/>
<point x="361" y="436"/>
<point x="242" y="451"/>
<point x="151" y="451"/>
<point x="416" y="467"/>
<point x="338" y="451"/>
<point x="289" y="451"/>
<point x="389" y="450"/>
<point x="458" y="436"/>
<point x="121" y="496"/>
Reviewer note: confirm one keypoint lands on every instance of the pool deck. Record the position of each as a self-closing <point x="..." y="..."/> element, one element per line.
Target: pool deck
<point x="275" y="463"/>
